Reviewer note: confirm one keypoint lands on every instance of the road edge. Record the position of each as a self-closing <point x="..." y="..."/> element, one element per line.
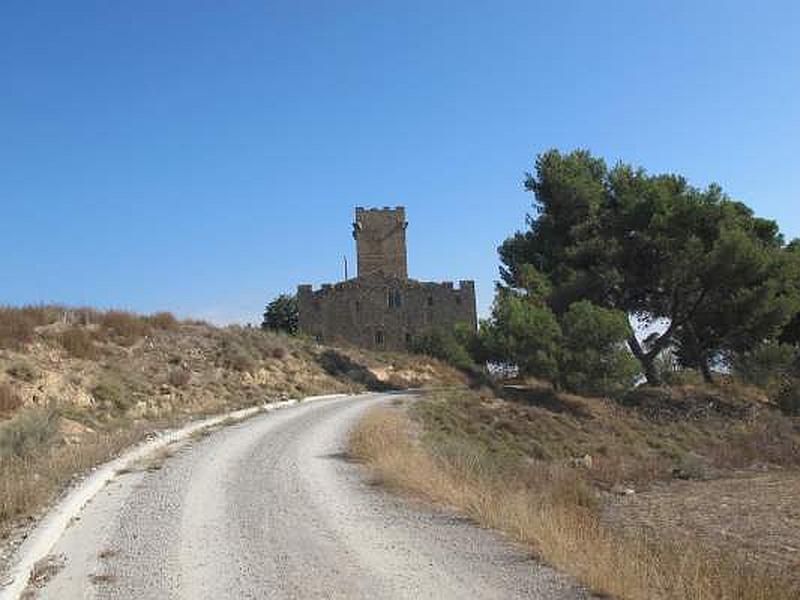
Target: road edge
<point x="49" y="529"/>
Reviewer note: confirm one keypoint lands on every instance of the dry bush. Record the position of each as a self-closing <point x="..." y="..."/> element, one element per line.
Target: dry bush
<point x="78" y="343"/>
<point x="111" y="395"/>
<point x="163" y="320"/>
<point x="179" y="378"/>
<point x="123" y="327"/>
<point x="548" y="508"/>
<point x="238" y="357"/>
<point x="31" y="481"/>
<point x="28" y="431"/>
<point x="773" y="440"/>
<point x="23" y="371"/>
<point x="9" y="399"/>
<point x="18" y="325"/>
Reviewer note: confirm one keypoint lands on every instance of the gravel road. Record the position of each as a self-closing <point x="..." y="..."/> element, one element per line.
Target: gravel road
<point x="270" y="508"/>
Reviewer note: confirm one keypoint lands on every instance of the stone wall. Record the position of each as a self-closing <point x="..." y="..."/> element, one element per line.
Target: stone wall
<point x="381" y="312"/>
<point x="380" y="235"/>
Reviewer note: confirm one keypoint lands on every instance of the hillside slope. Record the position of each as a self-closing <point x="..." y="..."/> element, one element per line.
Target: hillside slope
<point x="78" y="386"/>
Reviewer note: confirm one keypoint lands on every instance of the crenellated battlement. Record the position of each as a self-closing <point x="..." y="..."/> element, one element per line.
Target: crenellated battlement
<point x="382" y="308"/>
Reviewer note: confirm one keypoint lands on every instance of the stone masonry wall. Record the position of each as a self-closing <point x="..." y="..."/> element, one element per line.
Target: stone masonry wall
<point x="383" y="313"/>
<point x="380" y="235"/>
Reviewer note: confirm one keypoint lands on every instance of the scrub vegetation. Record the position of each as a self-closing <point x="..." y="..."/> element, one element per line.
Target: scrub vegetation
<point x="79" y="385"/>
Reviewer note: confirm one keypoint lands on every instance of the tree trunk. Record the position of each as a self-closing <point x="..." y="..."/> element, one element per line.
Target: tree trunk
<point x="706" y="370"/>
<point x="647" y="360"/>
<point x="650" y="371"/>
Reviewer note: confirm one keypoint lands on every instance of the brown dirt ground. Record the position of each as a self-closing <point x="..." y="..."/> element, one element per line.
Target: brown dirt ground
<point x="756" y="514"/>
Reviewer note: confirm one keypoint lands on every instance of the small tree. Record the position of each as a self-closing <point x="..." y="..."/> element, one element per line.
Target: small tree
<point x="522" y="332"/>
<point x="594" y="356"/>
<point x="281" y="315"/>
<point x="444" y="345"/>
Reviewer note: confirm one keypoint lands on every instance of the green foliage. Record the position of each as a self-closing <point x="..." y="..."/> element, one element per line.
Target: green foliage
<point x="788" y="398"/>
<point x="657" y="248"/>
<point x="281" y="314"/>
<point x="524" y="333"/>
<point x="594" y="358"/>
<point x="448" y="346"/>
<point x="766" y="363"/>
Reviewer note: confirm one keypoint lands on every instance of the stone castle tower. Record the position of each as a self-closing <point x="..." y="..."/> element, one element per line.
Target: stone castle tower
<point x="380" y="235"/>
<point x="381" y="308"/>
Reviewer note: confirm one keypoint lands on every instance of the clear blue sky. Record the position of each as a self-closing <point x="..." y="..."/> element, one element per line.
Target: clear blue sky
<point x="201" y="157"/>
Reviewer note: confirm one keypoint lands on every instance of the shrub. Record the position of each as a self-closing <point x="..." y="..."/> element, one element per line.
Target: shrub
<point x="78" y="343"/>
<point x="163" y="320"/>
<point x="28" y="431"/>
<point x="237" y="357"/>
<point x="522" y="332"/>
<point x="179" y="378"/>
<point x="23" y="371"/>
<point x="442" y="344"/>
<point x="111" y="394"/>
<point x="281" y="315"/>
<point x="17" y="325"/>
<point x="788" y="398"/>
<point x="123" y="327"/>
<point x="766" y="364"/>
<point x="9" y="399"/>
<point x="337" y="364"/>
<point x="594" y="358"/>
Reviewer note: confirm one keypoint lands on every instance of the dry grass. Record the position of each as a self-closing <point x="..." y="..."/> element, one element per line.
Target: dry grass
<point x="9" y="399"/>
<point x="631" y="445"/>
<point x="163" y="320"/>
<point x="123" y="327"/>
<point x="18" y="325"/>
<point x="31" y="480"/>
<point x="551" y="508"/>
<point x="179" y="377"/>
<point x="78" y="343"/>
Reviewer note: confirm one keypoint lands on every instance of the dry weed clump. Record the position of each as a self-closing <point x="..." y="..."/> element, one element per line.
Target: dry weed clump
<point x="22" y="495"/>
<point x="163" y="320"/>
<point x="22" y="370"/>
<point x="9" y="399"/>
<point x="552" y="509"/>
<point x="78" y="343"/>
<point x="179" y="377"/>
<point x="124" y="328"/>
<point x="18" y="325"/>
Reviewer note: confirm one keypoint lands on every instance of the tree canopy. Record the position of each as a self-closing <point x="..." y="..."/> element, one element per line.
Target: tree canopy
<point x="281" y="315"/>
<point x="714" y="276"/>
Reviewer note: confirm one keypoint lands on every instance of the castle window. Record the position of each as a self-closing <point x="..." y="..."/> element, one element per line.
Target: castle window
<point x="379" y="338"/>
<point x="408" y="340"/>
<point x="458" y="299"/>
<point x="430" y="300"/>
<point x="394" y="299"/>
<point x="358" y="306"/>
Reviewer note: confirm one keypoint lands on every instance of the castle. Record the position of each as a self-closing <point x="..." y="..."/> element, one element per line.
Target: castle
<point x="382" y="308"/>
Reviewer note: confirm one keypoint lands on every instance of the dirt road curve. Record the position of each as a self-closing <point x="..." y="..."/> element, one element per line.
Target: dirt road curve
<point x="269" y="509"/>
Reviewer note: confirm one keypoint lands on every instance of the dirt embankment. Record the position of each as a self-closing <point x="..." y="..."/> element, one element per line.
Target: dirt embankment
<point x="668" y="494"/>
<point x="79" y="385"/>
